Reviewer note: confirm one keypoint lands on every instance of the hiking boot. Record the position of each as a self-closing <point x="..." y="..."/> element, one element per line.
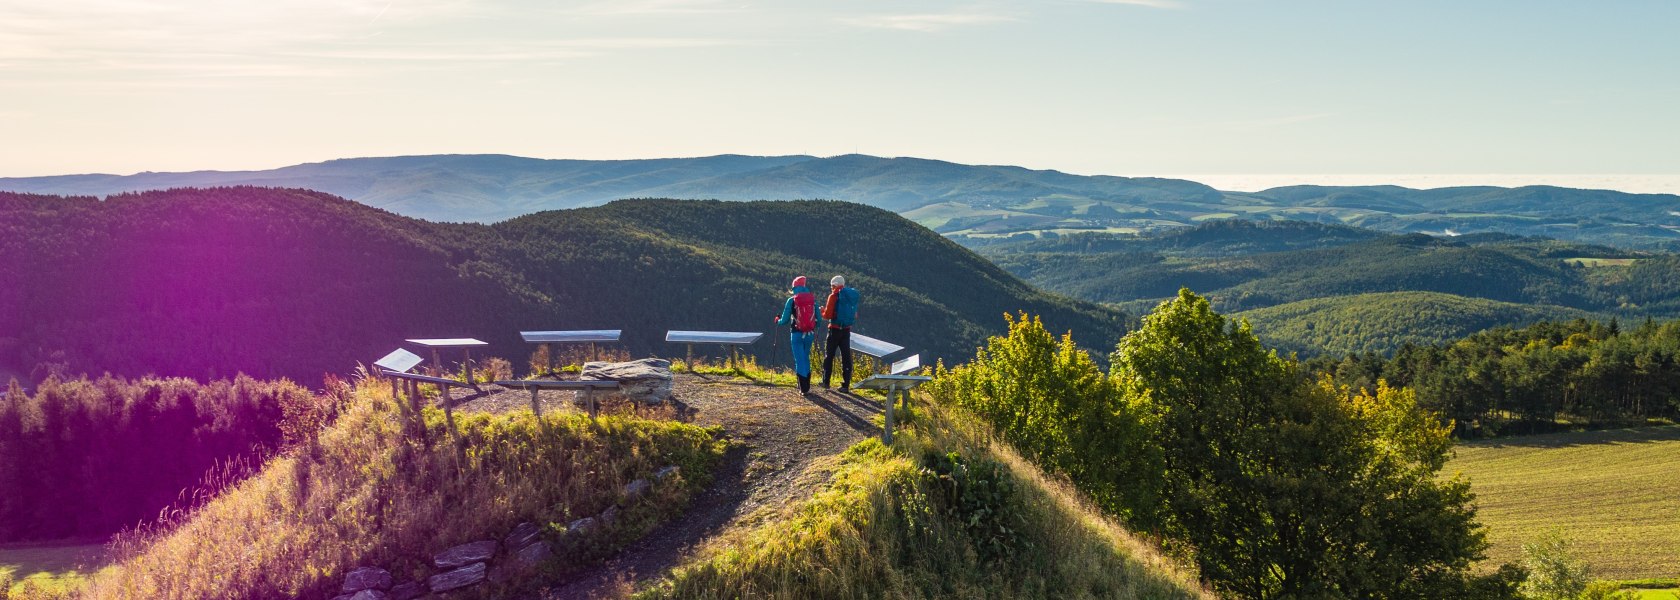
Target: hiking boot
<point x="804" y="384"/>
<point x="846" y="387"/>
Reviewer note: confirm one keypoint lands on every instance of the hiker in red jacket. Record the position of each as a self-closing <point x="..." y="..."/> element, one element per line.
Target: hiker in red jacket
<point x="800" y="311"/>
<point x="841" y="311"/>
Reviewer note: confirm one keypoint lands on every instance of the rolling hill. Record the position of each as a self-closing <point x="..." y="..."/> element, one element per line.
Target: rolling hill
<point x="973" y="202"/>
<point x="1380" y="322"/>
<point x="295" y="283"/>
<point x="1319" y="287"/>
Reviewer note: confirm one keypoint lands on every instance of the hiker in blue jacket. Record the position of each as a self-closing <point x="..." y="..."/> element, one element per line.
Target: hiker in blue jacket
<point x="800" y="311"/>
<point x="841" y="311"/>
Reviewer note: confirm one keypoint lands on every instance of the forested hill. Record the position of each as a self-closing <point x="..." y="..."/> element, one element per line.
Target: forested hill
<point x="1316" y="287"/>
<point x="296" y="283"/>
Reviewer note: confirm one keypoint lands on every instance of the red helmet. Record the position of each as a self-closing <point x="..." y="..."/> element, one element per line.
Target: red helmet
<point x="798" y="282"/>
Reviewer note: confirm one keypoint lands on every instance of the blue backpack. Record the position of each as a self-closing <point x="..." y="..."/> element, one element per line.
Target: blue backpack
<point x="845" y="307"/>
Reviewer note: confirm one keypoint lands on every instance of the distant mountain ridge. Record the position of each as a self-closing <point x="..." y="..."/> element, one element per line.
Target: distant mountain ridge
<point x="962" y="201"/>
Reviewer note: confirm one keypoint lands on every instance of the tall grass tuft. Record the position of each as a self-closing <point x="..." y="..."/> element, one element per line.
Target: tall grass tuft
<point x="943" y="512"/>
<point x="373" y="491"/>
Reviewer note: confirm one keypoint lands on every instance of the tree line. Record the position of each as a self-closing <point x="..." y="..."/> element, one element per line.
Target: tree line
<point x="1535" y="379"/>
<point x="88" y="457"/>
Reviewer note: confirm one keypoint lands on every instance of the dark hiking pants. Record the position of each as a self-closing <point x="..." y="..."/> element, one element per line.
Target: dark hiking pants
<point x="841" y="340"/>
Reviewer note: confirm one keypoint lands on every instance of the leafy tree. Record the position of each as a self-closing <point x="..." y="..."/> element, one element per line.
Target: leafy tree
<point x="1052" y="403"/>
<point x="1289" y="488"/>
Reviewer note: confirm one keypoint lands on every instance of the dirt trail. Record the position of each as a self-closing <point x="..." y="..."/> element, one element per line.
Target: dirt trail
<point x="777" y="434"/>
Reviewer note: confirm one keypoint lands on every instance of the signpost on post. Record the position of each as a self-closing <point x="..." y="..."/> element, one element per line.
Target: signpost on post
<point x="733" y="339"/>
<point x="897" y="386"/>
<point x="581" y="336"/>
<point x="398" y="361"/>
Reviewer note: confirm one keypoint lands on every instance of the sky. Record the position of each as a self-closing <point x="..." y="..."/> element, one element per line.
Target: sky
<point x="1294" y="88"/>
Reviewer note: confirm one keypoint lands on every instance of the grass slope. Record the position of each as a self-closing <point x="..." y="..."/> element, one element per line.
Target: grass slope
<point x="375" y="491"/>
<point x="941" y="513"/>
<point x="1383" y="321"/>
<point x="1612" y="491"/>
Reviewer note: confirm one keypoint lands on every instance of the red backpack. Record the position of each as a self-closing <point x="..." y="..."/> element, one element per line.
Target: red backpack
<point x="804" y="312"/>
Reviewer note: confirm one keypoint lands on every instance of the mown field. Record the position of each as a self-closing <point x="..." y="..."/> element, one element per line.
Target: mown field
<point x="1613" y="492"/>
<point x="49" y="565"/>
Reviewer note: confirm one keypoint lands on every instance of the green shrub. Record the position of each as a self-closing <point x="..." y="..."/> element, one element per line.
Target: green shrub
<point x="1554" y="571"/>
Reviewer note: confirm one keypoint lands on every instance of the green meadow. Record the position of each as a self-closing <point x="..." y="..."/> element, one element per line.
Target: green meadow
<point x="1611" y="491"/>
<point x="47" y="565"/>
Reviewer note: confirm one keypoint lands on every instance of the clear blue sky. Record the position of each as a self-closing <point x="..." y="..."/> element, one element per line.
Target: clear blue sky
<point x="1127" y="87"/>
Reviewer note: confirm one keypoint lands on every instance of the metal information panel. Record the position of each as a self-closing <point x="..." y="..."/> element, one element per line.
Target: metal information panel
<point x="571" y="337"/>
<point x="713" y="337"/>
<point x="465" y="344"/>
<point x="399" y="360"/>
<point x="448" y="342"/>
<point x="873" y="347"/>
<point x="907" y="365"/>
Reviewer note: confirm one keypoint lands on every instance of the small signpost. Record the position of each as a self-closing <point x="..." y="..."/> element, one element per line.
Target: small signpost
<point x="897" y="387"/>
<point x="465" y="344"/>
<point x="581" y="336"/>
<point x="398" y="361"/>
<point x="396" y="366"/>
<point x="907" y="365"/>
<point x="733" y="339"/>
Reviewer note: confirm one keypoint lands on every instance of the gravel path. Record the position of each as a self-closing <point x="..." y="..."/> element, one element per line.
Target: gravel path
<point x="777" y="434"/>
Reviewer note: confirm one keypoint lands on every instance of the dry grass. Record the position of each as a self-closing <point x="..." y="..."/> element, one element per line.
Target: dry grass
<point x="871" y="532"/>
<point x="377" y="489"/>
<point x="1613" y="492"/>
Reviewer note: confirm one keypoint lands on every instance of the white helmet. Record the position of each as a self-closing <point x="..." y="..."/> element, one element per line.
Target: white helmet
<point x="838" y="280"/>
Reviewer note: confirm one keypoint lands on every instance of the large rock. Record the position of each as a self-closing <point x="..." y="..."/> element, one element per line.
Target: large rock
<point x="582" y="526"/>
<point x="366" y="578"/>
<point x="533" y="555"/>
<point x="465" y="553"/>
<point x="458" y="578"/>
<point x="647" y="380"/>
<point x="636" y="489"/>
<point x="522" y="536"/>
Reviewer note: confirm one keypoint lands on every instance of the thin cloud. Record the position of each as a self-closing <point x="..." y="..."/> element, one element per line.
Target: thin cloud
<point x="925" y="22"/>
<point x="1148" y="3"/>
